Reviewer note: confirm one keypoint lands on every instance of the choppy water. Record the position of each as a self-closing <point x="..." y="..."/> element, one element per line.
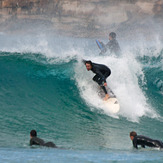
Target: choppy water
<point x="44" y="86"/>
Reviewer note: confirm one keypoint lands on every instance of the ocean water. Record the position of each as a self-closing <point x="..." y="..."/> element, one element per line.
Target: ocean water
<point x="44" y="86"/>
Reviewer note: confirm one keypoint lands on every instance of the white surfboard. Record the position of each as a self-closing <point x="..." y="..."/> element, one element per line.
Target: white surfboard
<point x="112" y="103"/>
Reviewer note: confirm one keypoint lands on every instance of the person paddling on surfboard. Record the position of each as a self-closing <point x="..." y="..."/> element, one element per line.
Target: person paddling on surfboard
<point x="144" y="141"/>
<point x="102" y="72"/>
<point x="34" y="140"/>
<point x="112" y="45"/>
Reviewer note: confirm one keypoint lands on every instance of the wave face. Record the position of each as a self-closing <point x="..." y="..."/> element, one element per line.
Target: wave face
<point x="47" y="88"/>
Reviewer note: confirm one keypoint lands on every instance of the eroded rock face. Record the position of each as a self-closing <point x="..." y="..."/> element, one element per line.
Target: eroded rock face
<point x="84" y="18"/>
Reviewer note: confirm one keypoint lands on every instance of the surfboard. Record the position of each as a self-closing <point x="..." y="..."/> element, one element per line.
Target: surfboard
<point x="101" y="46"/>
<point x="112" y="103"/>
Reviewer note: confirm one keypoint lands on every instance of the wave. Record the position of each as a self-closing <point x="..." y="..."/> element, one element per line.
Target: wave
<point x="51" y="91"/>
<point x="128" y="80"/>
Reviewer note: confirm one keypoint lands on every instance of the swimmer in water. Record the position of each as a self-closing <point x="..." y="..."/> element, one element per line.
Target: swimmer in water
<point x="144" y="141"/>
<point x="34" y="140"/>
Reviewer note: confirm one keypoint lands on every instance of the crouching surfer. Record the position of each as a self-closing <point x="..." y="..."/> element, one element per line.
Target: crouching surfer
<point x="34" y="140"/>
<point x="102" y="72"/>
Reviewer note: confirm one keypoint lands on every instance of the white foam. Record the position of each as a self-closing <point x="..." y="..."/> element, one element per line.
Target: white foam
<point x="54" y="48"/>
<point x="124" y="83"/>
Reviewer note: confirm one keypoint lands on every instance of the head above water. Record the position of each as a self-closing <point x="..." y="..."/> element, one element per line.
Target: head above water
<point x="33" y="133"/>
<point x="112" y="36"/>
<point x="88" y="65"/>
<point x="132" y="135"/>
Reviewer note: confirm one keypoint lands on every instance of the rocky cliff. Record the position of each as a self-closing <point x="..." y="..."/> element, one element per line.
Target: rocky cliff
<point x="83" y="18"/>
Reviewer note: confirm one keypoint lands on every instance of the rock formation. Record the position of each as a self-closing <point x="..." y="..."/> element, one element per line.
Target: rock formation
<point x="80" y="18"/>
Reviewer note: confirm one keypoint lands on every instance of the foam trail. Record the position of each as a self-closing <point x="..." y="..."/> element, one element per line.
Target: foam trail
<point x="124" y="83"/>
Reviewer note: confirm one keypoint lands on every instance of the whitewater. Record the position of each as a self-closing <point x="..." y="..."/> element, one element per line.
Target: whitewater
<point x="45" y="86"/>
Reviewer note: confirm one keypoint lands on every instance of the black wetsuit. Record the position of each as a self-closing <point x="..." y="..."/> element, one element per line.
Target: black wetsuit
<point x="112" y="46"/>
<point x="146" y="141"/>
<point x="102" y="72"/>
<point x="38" y="141"/>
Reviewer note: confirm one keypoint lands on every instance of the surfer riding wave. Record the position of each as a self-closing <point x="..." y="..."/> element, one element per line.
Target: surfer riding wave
<point x="102" y="73"/>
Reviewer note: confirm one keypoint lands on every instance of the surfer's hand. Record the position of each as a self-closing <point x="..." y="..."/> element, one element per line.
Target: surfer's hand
<point x="105" y="84"/>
